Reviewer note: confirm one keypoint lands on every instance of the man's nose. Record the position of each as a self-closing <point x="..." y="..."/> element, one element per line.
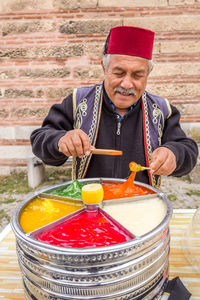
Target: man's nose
<point x="127" y="83"/>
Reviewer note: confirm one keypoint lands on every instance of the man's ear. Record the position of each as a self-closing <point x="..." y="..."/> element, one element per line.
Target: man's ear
<point x="152" y="68"/>
<point x="102" y="66"/>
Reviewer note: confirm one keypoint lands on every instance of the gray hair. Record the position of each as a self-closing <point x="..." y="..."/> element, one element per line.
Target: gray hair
<point x="106" y="61"/>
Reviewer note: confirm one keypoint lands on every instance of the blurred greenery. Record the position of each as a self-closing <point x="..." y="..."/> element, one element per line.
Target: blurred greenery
<point x="172" y="197"/>
<point x="4" y="215"/>
<point x="186" y="178"/>
<point x="17" y="182"/>
<point x="193" y="193"/>
<point x="14" y="183"/>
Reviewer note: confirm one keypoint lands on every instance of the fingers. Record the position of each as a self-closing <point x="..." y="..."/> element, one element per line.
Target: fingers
<point x="86" y="144"/>
<point x="163" y="161"/>
<point x="74" y="143"/>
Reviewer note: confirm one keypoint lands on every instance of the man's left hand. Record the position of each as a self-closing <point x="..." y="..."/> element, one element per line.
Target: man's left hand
<point x="163" y="161"/>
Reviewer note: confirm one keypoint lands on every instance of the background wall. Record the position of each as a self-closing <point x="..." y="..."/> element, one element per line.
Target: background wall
<point x="49" y="47"/>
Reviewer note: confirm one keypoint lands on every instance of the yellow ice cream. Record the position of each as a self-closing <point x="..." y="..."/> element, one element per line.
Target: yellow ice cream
<point x="92" y="193"/>
<point x="41" y="211"/>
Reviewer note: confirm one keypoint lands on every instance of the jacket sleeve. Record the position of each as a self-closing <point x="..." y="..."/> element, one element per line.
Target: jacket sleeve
<point x="184" y="148"/>
<point x="44" y="140"/>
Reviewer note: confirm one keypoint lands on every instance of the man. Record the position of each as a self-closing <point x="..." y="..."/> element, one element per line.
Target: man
<point x="118" y="114"/>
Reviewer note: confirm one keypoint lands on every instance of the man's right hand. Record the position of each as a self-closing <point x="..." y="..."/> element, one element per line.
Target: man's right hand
<point x="75" y="143"/>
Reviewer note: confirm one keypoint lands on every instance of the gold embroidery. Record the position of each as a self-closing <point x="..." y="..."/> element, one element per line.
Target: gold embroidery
<point x="74" y="163"/>
<point x="157" y="116"/>
<point x="149" y="148"/>
<point x="96" y="132"/>
<point x="74" y="103"/>
<point x="158" y="182"/>
<point x="147" y="124"/>
<point x="78" y="112"/>
<point x="92" y="128"/>
<point x="81" y="112"/>
<point x="169" y="108"/>
<point x="157" y="113"/>
<point x="74" y="116"/>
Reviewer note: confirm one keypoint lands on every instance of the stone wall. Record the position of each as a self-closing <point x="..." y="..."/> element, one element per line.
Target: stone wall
<point x="49" y="47"/>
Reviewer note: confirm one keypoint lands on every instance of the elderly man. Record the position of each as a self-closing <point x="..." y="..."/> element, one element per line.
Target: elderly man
<point x="118" y="114"/>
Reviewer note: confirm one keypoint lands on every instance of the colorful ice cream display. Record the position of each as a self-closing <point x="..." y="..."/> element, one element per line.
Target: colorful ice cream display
<point x="41" y="211"/>
<point x="140" y="216"/>
<point x="91" y="226"/>
<point x="86" y="229"/>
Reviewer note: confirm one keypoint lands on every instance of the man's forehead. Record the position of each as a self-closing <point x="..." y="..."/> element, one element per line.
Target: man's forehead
<point x="118" y="60"/>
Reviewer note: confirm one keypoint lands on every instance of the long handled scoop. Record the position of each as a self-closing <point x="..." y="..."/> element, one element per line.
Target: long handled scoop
<point x="106" y="151"/>
<point x="103" y="151"/>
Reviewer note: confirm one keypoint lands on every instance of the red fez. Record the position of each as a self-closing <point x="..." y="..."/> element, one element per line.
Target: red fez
<point x="129" y="40"/>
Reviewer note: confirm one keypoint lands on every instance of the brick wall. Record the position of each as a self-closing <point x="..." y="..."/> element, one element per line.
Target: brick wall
<point x="48" y="47"/>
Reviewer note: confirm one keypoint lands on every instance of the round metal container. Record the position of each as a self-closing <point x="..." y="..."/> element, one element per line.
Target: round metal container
<point x="137" y="269"/>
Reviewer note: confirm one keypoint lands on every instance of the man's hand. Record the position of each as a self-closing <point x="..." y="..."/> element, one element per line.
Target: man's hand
<point x="75" y="143"/>
<point x="163" y="161"/>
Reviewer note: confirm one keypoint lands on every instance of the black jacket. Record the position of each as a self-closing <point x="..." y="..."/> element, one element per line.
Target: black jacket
<point x="60" y="119"/>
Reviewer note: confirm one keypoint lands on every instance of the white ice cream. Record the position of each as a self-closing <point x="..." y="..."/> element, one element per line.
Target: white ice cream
<point x="140" y="216"/>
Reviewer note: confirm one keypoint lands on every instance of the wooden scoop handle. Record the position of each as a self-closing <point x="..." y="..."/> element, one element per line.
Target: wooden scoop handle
<point x="106" y="151"/>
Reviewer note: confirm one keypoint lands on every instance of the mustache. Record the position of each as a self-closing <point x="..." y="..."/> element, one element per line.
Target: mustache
<point x="126" y="92"/>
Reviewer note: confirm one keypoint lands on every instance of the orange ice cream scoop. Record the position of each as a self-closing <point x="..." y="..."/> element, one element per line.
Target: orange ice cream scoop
<point x="134" y="167"/>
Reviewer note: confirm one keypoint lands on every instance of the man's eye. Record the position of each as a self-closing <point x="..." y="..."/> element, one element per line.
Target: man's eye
<point x="137" y="76"/>
<point x="118" y="74"/>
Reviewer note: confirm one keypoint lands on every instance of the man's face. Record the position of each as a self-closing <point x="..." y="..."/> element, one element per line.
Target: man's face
<point x="125" y="80"/>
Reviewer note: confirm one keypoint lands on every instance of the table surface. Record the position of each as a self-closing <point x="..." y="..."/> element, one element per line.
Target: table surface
<point x="10" y="276"/>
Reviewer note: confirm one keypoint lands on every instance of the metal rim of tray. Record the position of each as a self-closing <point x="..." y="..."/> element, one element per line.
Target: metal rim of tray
<point x="151" y="287"/>
<point x="85" y="275"/>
